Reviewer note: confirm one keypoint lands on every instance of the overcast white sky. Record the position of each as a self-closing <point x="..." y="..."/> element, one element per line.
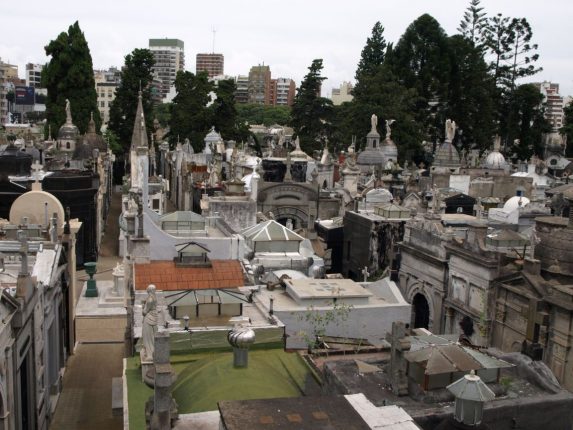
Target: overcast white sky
<point x="287" y="35"/>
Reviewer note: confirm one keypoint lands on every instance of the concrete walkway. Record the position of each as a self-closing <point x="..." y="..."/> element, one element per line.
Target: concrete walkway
<point x="85" y="402"/>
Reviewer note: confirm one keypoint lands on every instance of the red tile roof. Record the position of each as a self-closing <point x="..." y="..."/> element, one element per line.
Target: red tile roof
<point x="167" y="277"/>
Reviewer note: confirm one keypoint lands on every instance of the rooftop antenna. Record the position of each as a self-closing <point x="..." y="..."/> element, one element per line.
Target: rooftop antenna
<point x="214" y="32"/>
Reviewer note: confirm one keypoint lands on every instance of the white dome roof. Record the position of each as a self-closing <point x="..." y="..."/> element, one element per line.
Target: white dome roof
<point x="379" y="195"/>
<point x="495" y="160"/>
<point x="514" y="203"/>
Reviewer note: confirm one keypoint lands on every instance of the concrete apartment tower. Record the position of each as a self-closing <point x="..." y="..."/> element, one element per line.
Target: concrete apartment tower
<point x="169" y="58"/>
<point x="213" y="64"/>
<point x="260" y="85"/>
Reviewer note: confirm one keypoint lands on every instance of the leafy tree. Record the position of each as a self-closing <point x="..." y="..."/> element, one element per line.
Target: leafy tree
<point x="567" y="129"/>
<point x="69" y="75"/>
<point x="113" y="142"/>
<point x="162" y="112"/>
<point x="421" y="61"/>
<point x="263" y="114"/>
<point x="225" y="116"/>
<point x="136" y="74"/>
<point x="371" y="59"/>
<point x="320" y="320"/>
<point x="311" y="113"/>
<point x="525" y="121"/>
<point x="190" y="117"/>
<point x="473" y="24"/>
<point x="471" y="94"/>
<point x="388" y="99"/>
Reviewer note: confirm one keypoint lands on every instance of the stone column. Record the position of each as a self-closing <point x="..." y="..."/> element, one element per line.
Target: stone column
<point x="163" y="411"/>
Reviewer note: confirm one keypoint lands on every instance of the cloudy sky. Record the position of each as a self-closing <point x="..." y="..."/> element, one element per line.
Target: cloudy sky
<point x="287" y="35"/>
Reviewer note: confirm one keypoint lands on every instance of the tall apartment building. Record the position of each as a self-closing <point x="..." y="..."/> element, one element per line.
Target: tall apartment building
<point x="213" y="64"/>
<point x="8" y="72"/>
<point x="106" y="82"/>
<point x="342" y="94"/>
<point x="553" y="103"/>
<point x="242" y="91"/>
<point x="260" y="85"/>
<point x="34" y="75"/>
<point x="169" y="59"/>
<point x="283" y="92"/>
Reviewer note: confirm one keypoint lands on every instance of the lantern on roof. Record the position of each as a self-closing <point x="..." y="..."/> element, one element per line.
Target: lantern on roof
<point x="471" y="393"/>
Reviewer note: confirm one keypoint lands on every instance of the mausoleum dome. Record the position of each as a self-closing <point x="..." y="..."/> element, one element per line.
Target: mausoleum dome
<point x="495" y="160"/>
<point x="94" y="140"/>
<point x="447" y="155"/>
<point x="370" y="157"/>
<point x="514" y="203"/>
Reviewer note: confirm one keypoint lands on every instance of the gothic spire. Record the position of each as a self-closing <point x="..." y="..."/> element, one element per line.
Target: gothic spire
<point x="139" y="136"/>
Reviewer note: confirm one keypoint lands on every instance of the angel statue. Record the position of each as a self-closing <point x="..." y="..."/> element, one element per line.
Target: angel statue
<point x="450" y="130"/>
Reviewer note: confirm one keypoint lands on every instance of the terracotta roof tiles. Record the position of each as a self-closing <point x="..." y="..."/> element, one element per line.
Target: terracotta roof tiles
<point x="168" y="277"/>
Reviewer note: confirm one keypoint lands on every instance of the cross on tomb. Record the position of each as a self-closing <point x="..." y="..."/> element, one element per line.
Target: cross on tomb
<point x="365" y="273"/>
<point x="37" y="167"/>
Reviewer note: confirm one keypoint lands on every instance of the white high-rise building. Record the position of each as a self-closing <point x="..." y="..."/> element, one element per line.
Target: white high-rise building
<point x="169" y="59"/>
<point x="34" y="75"/>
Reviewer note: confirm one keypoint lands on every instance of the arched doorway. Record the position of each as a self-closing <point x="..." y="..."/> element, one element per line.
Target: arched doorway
<point x="421" y="311"/>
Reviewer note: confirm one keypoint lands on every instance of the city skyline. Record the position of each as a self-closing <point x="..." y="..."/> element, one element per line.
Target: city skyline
<point x="246" y="37"/>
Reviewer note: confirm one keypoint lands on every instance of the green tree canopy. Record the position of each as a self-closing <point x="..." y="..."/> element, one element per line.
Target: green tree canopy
<point x="190" y="117"/>
<point x="135" y="75"/>
<point x="263" y="114"/>
<point x="371" y="59"/>
<point x="526" y="121"/>
<point x="311" y="114"/>
<point x="471" y="94"/>
<point x="225" y="117"/>
<point x="421" y="61"/>
<point x="69" y="75"/>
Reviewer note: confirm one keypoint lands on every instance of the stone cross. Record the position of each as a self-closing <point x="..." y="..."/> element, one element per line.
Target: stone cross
<point x="365" y="273"/>
<point x="37" y="167"/>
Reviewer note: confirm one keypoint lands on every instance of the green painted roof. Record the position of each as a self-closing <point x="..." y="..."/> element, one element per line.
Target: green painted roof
<point x="203" y="379"/>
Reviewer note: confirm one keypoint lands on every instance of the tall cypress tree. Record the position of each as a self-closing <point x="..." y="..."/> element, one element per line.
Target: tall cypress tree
<point x="69" y="75"/>
<point x="135" y="74"/>
<point x="371" y="59"/>
<point x="311" y="113"/>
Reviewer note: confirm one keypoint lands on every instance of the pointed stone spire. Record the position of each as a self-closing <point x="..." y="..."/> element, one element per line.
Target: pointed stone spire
<point x="92" y="124"/>
<point x="139" y="136"/>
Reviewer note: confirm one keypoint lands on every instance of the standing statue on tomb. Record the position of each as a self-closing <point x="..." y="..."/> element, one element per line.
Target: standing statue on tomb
<point x="374" y="122"/>
<point x="68" y="112"/>
<point x="389" y="122"/>
<point x="450" y="130"/>
<point x="149" y="327"/>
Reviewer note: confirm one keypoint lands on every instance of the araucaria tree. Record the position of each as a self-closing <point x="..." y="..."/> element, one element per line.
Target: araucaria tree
<point x="69" y="75"/>
<point x="473" y="24"/>
<point x="311" y="114"/>
<point x="136" y="74"/>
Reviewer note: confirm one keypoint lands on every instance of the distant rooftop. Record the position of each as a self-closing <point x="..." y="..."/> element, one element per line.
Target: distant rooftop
<point x="166" y="43"/>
